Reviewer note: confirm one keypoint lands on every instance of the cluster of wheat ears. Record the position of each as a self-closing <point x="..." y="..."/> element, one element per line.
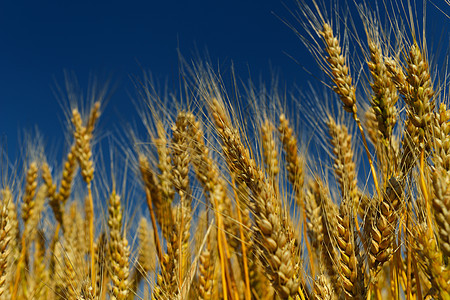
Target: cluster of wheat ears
<point x="233" y="208"/>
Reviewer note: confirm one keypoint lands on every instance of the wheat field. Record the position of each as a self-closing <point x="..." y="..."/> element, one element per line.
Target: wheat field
<point x="229" y="195"/>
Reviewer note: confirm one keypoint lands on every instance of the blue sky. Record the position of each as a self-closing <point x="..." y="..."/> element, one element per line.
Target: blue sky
<point x="114" y="39"/>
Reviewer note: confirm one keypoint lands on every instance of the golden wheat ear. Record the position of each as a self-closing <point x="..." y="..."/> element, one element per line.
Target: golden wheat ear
<point x="82" y="151"/>
<point x="119" y="251"/>
<point x="28" y="213"/>
<point x="146" y="260"/>
<point x="270" y="153"/>
<point x="295" y="166"/>
<point x="384" y="91"/>
<point x="432" y="263"/>
<point x="5" y="237"/>
<point x="338" y="70"/>
<point x="273" y="237"/>
<point x="350" y="264"/>
<point x="441" y="205"/>
<point x="344" y="165"/>
<point x="206" y="269"/>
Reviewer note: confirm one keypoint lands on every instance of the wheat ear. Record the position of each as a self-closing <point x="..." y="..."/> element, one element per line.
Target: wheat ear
<point x="30" y="192"/>
<point x="14" y="239"/>
<point x="57" y="199"/>
<point x="418" y="94"/>
<point x="167" y="279"/>
<point x="270" y="153"/>
<point x="329" y="213"/>
<point x="273" y="237"/>
<point x="441" y="177"/>
<point x="119" y="250"/>
<point x="296" y="175"/>
<point x="344" y="164"/>
<point x="385" y="94"/>
<point x="351" y="271"/>
<point x="164" y="165"/>
<point x="344" y="87"/>
<point x="83" y="153"/>
<point x="180" y="160"/>
<point x="441" y="205"/>
<point x="432" y="262"/>
<point x="323" y="289"/>
<point x="67" y="176"/>
<point x="206" y="270"/>
<point x="5" y="227"/>
<point x="384" y="225"/>
<point x="207" y="173"/>
<point x="314" y="217"/>
<point x="383" y="103"/>
<point x="27" y="211"/>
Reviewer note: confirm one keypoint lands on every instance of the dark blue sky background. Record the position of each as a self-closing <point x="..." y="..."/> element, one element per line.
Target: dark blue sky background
<point x="113" y="39"/>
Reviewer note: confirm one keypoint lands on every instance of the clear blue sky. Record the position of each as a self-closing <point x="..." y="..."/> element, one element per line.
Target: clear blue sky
<point x="40" y="39"/>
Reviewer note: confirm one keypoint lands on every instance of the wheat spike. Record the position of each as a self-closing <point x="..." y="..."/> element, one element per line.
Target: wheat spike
<point x="180" y="160"/>
<point x="344" y="165"/>
<point x="83" y="151"/>
<point x="5" y="237"/>
<point x="270" y="152"/>
<point x="206" y="271"/>
<point x="329" y="213"/>
<point x="167" y="279"/>
<point x="323" y="289"/>
<point x="273" y="237"/>
<point x="384" y="224"/>
<point x="441" y="205"/>
<point x="432" y="262"/>
<point x="339" y="69"/>
<point x="67" y="176"/>
<point x="350" y="269"/>
<point x="164" y="165"/>
<point x="119" y="250"/>
<point x="314" y="216"/>
<point x="385" y="93"/>
<point x="204" y="166"/>
<point x="294" y="162"/>
<point x="70" y="279"/>
<point x="30" y="192"/>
